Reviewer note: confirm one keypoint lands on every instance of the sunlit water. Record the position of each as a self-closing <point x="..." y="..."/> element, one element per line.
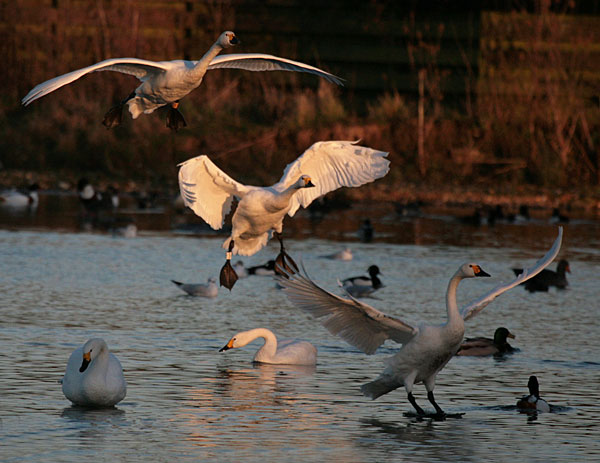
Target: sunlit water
<point x="188" y="402"/>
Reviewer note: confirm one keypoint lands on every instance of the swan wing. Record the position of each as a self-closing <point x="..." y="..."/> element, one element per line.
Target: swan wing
<point x="331" y="165"/>
<point x="475" y="307"/>
<point x="207" y="190"/>
<point x="357" y="323"/>
<point x="139" y="68"/>
<point x="262" y="62"/>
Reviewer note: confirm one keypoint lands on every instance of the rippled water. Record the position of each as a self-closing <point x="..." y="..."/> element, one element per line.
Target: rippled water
<point x="188" y="402"/>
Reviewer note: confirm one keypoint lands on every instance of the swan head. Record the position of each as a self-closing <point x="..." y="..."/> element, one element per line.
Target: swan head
<point x="227" y="39"/>
<point x="304" y="182"/>
<point x="91" y="350"/>
<point x="471" y="270"/>
<point x="244" y="337"/>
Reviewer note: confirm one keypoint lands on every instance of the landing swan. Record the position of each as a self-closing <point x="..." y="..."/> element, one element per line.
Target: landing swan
<point x="208" y="289"/>
<point x="533" y="401"/>
<point x="94" y="377"/>
<point x="324" y="167"/>
<point x="289" y="351"/>
<point x="479" y="347"/>
<point x="167" y="82"/>
<point x="426" y="348"/>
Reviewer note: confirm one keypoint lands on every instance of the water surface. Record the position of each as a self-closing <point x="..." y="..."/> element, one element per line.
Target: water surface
<point x="60" y="285"/>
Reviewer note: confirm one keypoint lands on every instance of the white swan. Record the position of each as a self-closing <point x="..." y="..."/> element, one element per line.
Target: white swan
<point x="426" y="348"/>
<point x="324" y="167"/>
<point x="208" y="289"/>
<point x="167" y="82"/>
<point x="94" y="377"/>
<point x="19" y="199"/>
<point x="288" y="351"/>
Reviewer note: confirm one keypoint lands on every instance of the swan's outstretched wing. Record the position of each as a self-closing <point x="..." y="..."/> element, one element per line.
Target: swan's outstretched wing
<point x="476" y="306"/>
<point x="357" y="323"/>
<point x="331" y="165"/>
<point x="262" y="62"/>
<point x="139" y="68"/>
<point x="207" y="190"/>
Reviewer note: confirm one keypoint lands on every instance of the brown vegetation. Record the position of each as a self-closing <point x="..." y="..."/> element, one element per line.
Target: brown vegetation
<point x="527" y="118"/>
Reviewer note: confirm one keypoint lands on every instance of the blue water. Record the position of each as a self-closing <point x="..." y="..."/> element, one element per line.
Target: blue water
<point x="188" y="402"/>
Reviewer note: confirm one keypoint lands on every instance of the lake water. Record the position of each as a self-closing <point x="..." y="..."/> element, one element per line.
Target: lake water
<point x="61" y="284"/>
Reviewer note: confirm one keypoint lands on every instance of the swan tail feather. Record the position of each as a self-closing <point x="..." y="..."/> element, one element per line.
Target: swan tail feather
<point x="248" y="246"/>
<point x="378" y="387"/>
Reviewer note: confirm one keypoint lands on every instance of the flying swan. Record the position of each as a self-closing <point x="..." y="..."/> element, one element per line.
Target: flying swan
<point x="167" y="82"/>
<point x="94" y="376"/>
<point x="287" y="351"/>
<point x="324" y="167"/>
<point x="426" y="348"/>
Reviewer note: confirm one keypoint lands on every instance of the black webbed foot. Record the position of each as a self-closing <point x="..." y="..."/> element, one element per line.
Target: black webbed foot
<point x="413" y="402"/>
<point x="228" y="277"/>
<point x="175" y="119"/>
<point x="284" y="261"/>
<point x="113" y="117"/>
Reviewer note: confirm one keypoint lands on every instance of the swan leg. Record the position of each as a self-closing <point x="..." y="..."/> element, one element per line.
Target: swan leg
<point x="282" y="260"/>
<point x="438" y="409"/>
<point x="228" y="277"/>
<point x="413" y="402"/>
<point x="175" y="119"/>
<point x="114" y="116"/>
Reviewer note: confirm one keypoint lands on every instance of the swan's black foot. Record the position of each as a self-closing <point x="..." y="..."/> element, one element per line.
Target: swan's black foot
<point x="113" y="117"/>
<point x="284" y="264"/>
<point x="413" y="402"/>
<point x="438" y="409"/>
<point x="175" y="119"/>
<point x="228" y="277"/>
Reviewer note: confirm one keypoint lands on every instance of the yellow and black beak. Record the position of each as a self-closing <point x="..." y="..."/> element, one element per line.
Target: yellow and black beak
<point x="234" y="40"/>
<point x="227" y="346"/>
<point x="308" y="183"/>
<point x="86" y="361"/>
<point x="479" y="271"/>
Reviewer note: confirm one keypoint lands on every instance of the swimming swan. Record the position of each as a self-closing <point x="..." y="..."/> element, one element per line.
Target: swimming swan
<point x="426" y="348"/>
<point x="167" y="82"/>
<point x="289" y="351"/>
<point x="208" y="289"/>
<point x="324" y="167"/>
<point x="94" y="377"/>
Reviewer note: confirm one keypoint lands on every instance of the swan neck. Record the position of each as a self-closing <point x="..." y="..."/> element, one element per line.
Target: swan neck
<point x="269" y="348"/>
<point x="451" y="305"/>
<point x="204" y="62"/>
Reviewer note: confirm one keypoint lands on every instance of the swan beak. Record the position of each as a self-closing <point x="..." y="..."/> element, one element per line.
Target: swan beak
<point x="308" y="183"/>
<point x="227" y="346"/>
<point x="479" y="272"/>
<point x="234" y="40"/>
<point x="85" y="362"/>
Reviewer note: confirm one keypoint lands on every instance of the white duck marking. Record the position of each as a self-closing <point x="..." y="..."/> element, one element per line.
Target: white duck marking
<point x="166" y="82"/>
<point x="289" y="351"/>
<point x="426" y="348"/>
<point x="208" y="289"/>
<point x="94" y="376"/>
